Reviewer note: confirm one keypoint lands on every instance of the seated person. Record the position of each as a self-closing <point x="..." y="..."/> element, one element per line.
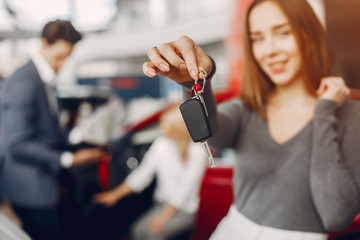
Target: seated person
<point x="178" y="164"/>
<point x="10" y="230"/>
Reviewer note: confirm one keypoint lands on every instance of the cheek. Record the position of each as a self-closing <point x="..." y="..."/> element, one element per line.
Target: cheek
<point x="259" y="56"/>
<point x="256" y="50"/>
<point x="52" y="57"/>
<point x="290" y="46"/>
<point x="52" y="62"/>
<point x="295" y="54"/>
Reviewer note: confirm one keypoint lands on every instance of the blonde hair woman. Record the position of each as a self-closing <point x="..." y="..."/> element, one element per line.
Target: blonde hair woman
<point x="178" y="164"/>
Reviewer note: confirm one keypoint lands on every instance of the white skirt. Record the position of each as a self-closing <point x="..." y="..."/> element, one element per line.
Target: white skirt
<point x="235" y="226"/>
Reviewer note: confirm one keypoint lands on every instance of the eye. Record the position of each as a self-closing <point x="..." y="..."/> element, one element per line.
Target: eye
<point x="256" y="39"/>
<point x="284" y="33"/>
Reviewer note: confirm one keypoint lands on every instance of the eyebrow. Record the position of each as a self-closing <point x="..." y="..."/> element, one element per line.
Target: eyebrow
<point x="274" y="28"/>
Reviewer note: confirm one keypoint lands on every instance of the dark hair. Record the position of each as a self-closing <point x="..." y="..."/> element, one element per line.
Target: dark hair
<point x="311" y="39"/>
<point x="60" y="29"/>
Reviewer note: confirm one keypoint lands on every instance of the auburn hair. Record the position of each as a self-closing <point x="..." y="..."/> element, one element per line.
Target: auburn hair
<point x="310" y="37"/>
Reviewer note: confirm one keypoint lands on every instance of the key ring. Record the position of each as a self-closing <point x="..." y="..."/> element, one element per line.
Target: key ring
<point x="196" y="88"/>
<point x="203" y="86"/>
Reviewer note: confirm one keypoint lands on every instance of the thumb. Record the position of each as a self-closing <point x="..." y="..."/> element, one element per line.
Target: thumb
<point x="321" y="88"/>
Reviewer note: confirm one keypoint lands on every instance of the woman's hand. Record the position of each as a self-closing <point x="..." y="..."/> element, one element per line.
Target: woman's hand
<point x="181" y="61"/>
<point x="107" y="198"/>
<point x="157" y="223"/>
<point x="110" y="197"/>
<point x="333" y="88"/>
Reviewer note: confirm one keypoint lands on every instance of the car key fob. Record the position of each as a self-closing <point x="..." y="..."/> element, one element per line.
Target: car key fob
<point x="196" y="119"/>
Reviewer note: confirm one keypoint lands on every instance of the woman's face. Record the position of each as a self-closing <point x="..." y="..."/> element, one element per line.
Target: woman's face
<point x="273" y="44"/>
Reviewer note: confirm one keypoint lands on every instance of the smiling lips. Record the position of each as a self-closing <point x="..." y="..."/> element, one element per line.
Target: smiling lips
<point x="277" y="67"/>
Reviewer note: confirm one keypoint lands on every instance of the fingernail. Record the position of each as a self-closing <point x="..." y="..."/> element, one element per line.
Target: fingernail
<point x="194" y="74"/>
<point x="164" y="67"/>
<point x="203" y="73"/>
<point x="182" y="66"/>
<point x="151" y="73"/>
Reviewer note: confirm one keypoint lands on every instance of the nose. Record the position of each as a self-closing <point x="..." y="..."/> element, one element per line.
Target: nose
<point x="270" y="46"/>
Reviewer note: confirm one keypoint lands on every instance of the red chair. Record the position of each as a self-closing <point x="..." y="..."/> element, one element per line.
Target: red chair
<point x="352" y="230"/>
<point x="215" y="199"/>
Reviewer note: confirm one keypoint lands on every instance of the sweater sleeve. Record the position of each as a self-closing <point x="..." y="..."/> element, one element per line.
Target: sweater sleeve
<point x="334" y="190"/>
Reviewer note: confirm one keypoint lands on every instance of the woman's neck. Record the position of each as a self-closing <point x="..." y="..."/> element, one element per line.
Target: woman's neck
<point x="293" y="95"/>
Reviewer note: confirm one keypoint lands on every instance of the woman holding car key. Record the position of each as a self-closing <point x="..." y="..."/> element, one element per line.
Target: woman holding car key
<point x="294" y="130"/>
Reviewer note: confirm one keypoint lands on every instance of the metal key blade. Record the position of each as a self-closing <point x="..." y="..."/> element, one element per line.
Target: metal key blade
<point x="210" y="157"/>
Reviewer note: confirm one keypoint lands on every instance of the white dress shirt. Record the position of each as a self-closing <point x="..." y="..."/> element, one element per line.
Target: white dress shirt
<point x="178" y="181"/>
<point x="48" y="76"/>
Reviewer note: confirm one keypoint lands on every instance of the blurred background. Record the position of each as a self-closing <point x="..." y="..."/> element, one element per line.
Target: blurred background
<point x="103" y="91"/>
<point x="117" y="34"/>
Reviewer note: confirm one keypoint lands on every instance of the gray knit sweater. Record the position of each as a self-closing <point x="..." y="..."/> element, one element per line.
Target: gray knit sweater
<point x="309" y="183"/>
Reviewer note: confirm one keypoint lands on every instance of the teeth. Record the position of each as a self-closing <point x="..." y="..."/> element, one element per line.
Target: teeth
<point x="277" y="65"/>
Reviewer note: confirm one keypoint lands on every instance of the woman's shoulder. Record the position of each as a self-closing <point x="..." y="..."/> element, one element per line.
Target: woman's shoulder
<point x="234" y="104"/>
<point x="350" y="111"/>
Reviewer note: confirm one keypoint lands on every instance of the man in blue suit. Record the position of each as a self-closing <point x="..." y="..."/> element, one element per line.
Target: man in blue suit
<point x="31" y="140"/>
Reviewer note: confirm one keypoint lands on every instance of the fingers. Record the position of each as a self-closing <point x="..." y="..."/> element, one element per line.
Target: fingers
<point x="98" y="198"/>
<point x="165" y="56"/>
<point x="321" y="88"/>
<point x="204" y="64"/>
<point x="93" y="154"/>
<point x="104" y="198"/>
<point x="173" y="55"/>
<point x="97" y="153"/>
<point x="335" y="84"/>
<point x="187" y="49"/>
<point x="181" y="60"/>
<point x="333" y="88"/>
<point x="157" y="60"/>
<point x="87" y="155"/>
<point x="149" y="69"/>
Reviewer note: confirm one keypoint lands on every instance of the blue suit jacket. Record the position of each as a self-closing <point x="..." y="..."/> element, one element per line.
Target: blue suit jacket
<point x="31" y="141"/>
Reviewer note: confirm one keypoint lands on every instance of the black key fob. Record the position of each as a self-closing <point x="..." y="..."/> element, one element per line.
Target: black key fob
<point x="196" y="119"/>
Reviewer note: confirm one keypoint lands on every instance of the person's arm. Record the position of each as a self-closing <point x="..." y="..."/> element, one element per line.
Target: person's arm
<point x="19" y="117"/>
<point x="335" y="193"/>
<point x="19" y="114"/>
<point x="109" y="198"/>
<point x="136" y="181"/>
<point x="87" y="155"/>
<point x="157" y="223"/>
<point x="182" y="61"/>
<point x="142" y="176"/>
<point x="334" y="190"/>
